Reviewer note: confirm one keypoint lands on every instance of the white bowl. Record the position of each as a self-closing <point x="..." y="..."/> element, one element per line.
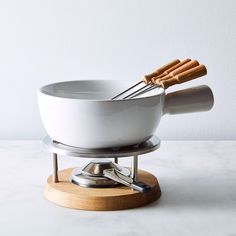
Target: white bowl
<point x="80" y="113"/>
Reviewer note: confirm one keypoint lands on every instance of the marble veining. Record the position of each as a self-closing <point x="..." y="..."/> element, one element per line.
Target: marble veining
<point x="197" y="178"/>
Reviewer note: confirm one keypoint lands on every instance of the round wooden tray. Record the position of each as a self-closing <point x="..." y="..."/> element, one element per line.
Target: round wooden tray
<point x="67" y="194"/>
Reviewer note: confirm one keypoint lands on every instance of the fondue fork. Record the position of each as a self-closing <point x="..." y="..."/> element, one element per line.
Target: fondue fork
<point x="177" y="69"/>
<point x="190" y="74"/>
<point x="147" y="78"/>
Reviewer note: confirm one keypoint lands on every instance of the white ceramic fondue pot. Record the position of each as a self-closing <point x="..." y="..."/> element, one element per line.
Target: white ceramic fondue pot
<point x="82" y="114"/>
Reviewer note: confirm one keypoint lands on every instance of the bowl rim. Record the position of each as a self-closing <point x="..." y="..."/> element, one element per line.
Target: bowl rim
<point x="40" y="91"/>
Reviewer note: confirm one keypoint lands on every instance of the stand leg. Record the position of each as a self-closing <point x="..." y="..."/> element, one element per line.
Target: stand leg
<point x="134" y="172"/>
<point x="55" y="168"/>
<point x="116" y="160"/>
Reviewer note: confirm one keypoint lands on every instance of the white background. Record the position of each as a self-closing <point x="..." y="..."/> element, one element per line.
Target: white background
<point x="46" y="41"/>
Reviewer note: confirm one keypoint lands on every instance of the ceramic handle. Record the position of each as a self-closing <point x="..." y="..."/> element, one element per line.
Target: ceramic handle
<point x="188" y="75"/>
<point x="178" y="71"/>
<point x="153" y="79"/>
<point x="159" y="71"/>
<point x="195" y="99"/>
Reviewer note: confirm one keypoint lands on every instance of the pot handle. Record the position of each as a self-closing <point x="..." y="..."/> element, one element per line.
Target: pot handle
<point x="195" y="99"/>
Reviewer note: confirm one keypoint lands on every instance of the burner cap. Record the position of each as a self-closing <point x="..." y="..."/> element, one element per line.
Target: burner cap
<point x="92" y="174"/>
<point x="96" y="167"/>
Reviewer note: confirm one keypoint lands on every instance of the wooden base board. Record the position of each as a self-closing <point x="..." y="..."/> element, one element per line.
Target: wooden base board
<point x="69" y="195"/>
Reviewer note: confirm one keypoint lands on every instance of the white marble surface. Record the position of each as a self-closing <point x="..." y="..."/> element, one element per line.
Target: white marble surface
<point x="198" y="182"/>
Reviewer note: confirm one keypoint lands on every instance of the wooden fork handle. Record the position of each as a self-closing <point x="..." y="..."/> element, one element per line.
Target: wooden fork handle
<point x="185" y="76"/>
<point x="159" y="71"/>
<point x="183" y="68"/>
<point x="170" y="70"/>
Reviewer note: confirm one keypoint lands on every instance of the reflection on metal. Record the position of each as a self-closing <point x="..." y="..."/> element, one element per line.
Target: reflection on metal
<point x="55" y="168"/>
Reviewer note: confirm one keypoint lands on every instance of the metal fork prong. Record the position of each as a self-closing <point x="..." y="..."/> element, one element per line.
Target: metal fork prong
<point x="149" y="89"/>
<point x="145" y="91"/>
<point x="127" y="90"/>
<point x="138" y="90"/>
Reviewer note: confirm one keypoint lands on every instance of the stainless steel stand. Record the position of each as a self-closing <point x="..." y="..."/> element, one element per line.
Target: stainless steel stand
<point x="134" y="170"/>
<point x="57" y="148"/>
